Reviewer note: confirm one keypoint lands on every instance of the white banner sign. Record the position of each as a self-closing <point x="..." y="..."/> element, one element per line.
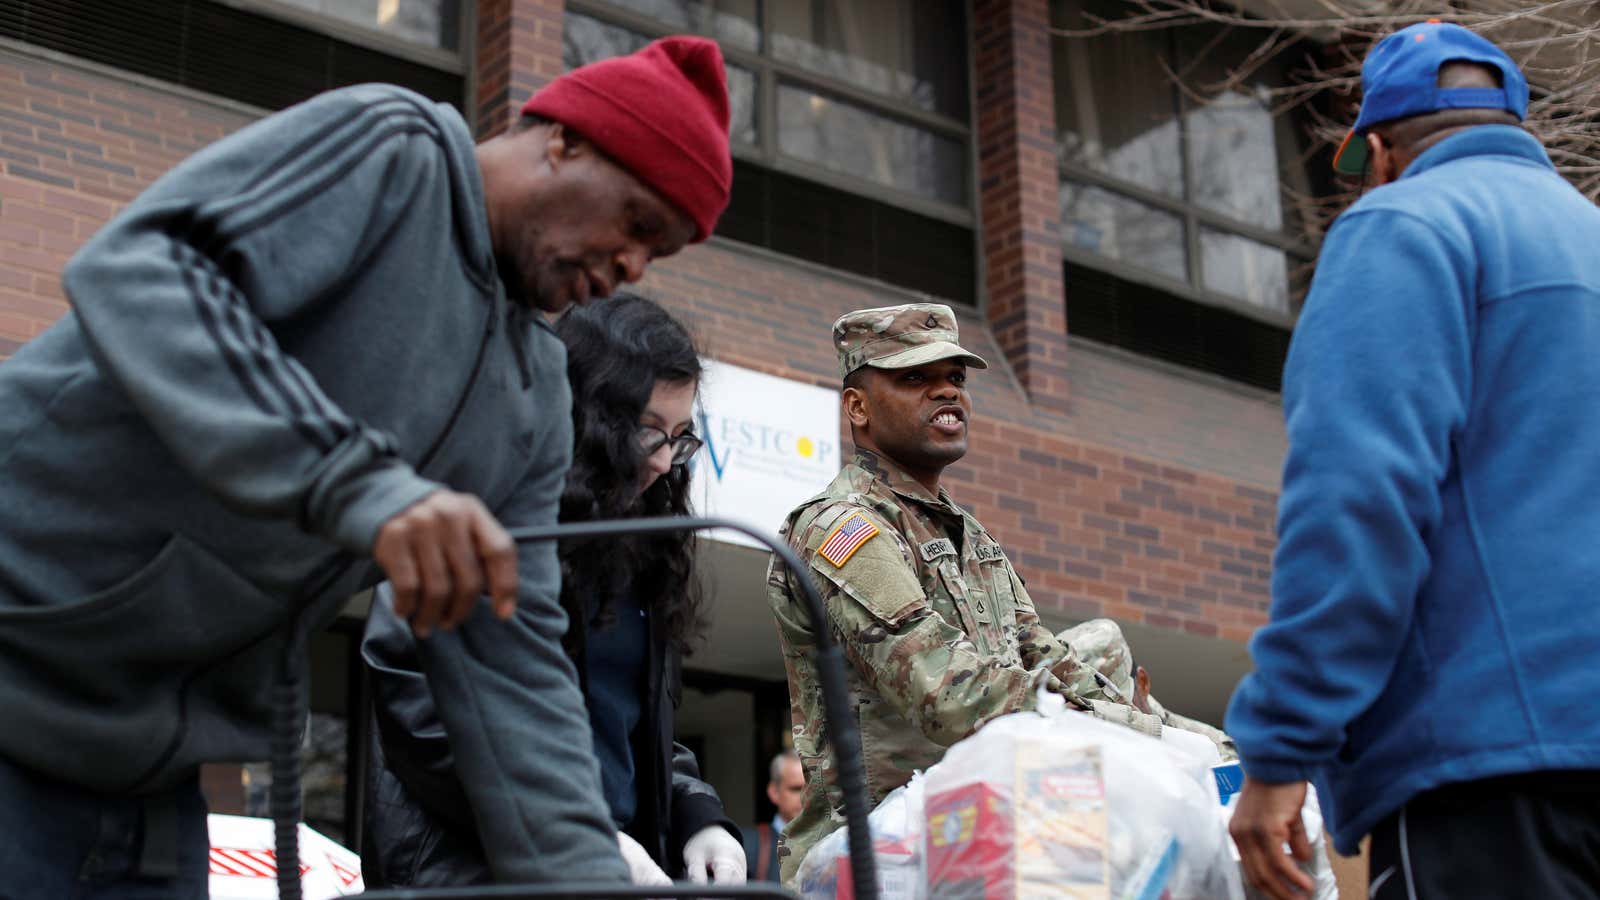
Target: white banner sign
<point x="770" y="444"/>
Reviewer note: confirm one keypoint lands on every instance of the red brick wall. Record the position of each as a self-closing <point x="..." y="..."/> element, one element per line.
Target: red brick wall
<point x="519" y="50"/>
<point x="1018" y="188"/>
<point x="1147" y="498"/>
<point x="75" y="147"/>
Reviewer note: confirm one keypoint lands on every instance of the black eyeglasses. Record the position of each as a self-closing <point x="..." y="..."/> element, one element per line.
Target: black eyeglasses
<point x="652" y="439"/>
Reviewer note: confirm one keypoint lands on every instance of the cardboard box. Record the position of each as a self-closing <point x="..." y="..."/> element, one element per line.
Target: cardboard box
<point x="969" y="839"/>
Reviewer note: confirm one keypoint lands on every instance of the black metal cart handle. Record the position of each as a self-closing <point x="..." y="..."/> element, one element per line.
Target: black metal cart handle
<point x="752" y="891"/>
<point x="844" y="736"/>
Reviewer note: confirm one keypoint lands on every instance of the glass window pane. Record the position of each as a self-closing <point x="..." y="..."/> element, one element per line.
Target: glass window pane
<point x="1121" y="228"/>
<point x="733" y="22"/>
<point x="849" y="139"/>
<point x="1116" y="106"/>
<point x="1235" y="159"/>
<point x="1232" y="138"/>
<point x="585" y="40"/>
<point x="1247" y="270"/>
<point x="911" y="50"/>
<point x="742" y="101"/>
<point x="1243" y="158"/>
<point x="434" y="23"/>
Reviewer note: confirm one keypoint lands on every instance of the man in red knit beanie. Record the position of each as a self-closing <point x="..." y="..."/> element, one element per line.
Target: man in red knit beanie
<point x="312" y="356"/>
<point x="633" y="163"/>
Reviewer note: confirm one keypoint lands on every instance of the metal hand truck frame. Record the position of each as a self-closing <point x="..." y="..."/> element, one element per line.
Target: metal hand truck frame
<point x="843" y="735"/>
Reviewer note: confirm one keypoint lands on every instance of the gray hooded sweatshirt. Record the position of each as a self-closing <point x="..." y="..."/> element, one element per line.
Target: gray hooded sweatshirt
<point x="289" y="338"/>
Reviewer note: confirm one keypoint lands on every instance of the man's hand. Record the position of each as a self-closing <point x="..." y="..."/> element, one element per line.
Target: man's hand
<point x="1267" y="817"/>
<point x="713" y="848"/>
<point x="441" y="554"/>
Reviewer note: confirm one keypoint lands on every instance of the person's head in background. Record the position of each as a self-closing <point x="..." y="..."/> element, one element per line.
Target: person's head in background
<point x="635" y="375"/>
<point x="786" y="785"/>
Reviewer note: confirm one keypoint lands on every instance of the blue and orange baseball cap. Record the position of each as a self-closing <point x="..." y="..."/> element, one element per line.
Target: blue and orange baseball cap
<point x="1400" y="78"/>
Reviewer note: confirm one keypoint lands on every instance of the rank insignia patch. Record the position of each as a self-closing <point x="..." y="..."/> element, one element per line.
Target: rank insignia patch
<point x="847" y="538"/>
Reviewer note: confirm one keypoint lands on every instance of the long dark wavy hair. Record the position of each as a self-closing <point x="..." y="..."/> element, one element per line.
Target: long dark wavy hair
<point x="617" y="351"/>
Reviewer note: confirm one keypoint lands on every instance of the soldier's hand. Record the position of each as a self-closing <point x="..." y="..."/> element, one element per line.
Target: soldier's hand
<point x="1267" y="818"/>
<point x="441" y="554"/>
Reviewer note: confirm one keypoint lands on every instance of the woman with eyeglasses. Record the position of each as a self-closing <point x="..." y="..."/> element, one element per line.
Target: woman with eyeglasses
<point x="633" y="613"/>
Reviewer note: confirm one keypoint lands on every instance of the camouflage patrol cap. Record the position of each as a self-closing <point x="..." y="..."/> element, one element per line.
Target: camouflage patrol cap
<point x="899" y="337"/>
<point x="1100" y="644"/>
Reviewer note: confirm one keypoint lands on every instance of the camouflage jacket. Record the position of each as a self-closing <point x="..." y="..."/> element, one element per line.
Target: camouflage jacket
<point x="938" y="630"/>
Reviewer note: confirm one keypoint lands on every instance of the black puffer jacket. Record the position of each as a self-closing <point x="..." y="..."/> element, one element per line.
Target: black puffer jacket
<point x="420" y="829"/>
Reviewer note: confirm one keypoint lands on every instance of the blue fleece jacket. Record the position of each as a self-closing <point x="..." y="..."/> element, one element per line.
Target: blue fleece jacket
<point x="1434" y="614"/>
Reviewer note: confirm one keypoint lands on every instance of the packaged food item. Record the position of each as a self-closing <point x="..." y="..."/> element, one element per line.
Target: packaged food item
<point x="1230" y="780"/>
<point x="969" y="842"/>
<point x="1066" y="850"/>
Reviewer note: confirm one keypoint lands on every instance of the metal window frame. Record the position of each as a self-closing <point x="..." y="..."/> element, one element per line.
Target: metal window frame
<point x="454" y="62"/>
<point x="1194" y="217"/>
<point x="980" y="267"/>
<point x="769" y="72"/>
<point x="1128" y="271"/>
<point x="461" y="62"/>
<point x="1200" y="215"/>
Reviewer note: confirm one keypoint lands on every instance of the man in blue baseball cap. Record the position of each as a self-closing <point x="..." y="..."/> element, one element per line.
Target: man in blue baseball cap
<point x="1431" y="660"/>
<point x="1427" y="81"/>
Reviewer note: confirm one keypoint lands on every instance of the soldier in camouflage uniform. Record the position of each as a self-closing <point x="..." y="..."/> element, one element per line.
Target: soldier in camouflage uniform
<point x="938" y="630"/>
<point x="1101" y="644"/>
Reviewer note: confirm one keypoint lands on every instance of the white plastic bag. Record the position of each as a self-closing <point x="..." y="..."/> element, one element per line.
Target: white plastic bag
<point x="1059" y="804"/>
<point x="1197" y="745"/>
<point x="896" y="826"/>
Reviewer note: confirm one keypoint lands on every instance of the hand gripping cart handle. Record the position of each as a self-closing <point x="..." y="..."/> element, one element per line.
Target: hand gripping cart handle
<point x="845" y="738"/>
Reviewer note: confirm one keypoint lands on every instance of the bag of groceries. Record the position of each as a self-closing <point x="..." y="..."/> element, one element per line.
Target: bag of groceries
<point x="896" y="826"/>
<point x="1062" y="805"/>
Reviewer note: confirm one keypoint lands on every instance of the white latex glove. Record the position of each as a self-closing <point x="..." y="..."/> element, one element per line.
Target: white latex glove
<point x="641" y="868"/>
<point x="712" y="847"/>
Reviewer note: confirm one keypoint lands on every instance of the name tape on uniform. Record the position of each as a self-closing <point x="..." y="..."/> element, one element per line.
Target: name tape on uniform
<point x="989" y="552"/>
<point x="846" y="538"/>
<point x="936" y="548"/>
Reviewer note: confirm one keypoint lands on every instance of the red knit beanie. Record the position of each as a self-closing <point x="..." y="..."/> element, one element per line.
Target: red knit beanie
<point x="662" y="113"/>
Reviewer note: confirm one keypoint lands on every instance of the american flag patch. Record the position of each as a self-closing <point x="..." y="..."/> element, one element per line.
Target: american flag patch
<point x="847" y="538"/>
